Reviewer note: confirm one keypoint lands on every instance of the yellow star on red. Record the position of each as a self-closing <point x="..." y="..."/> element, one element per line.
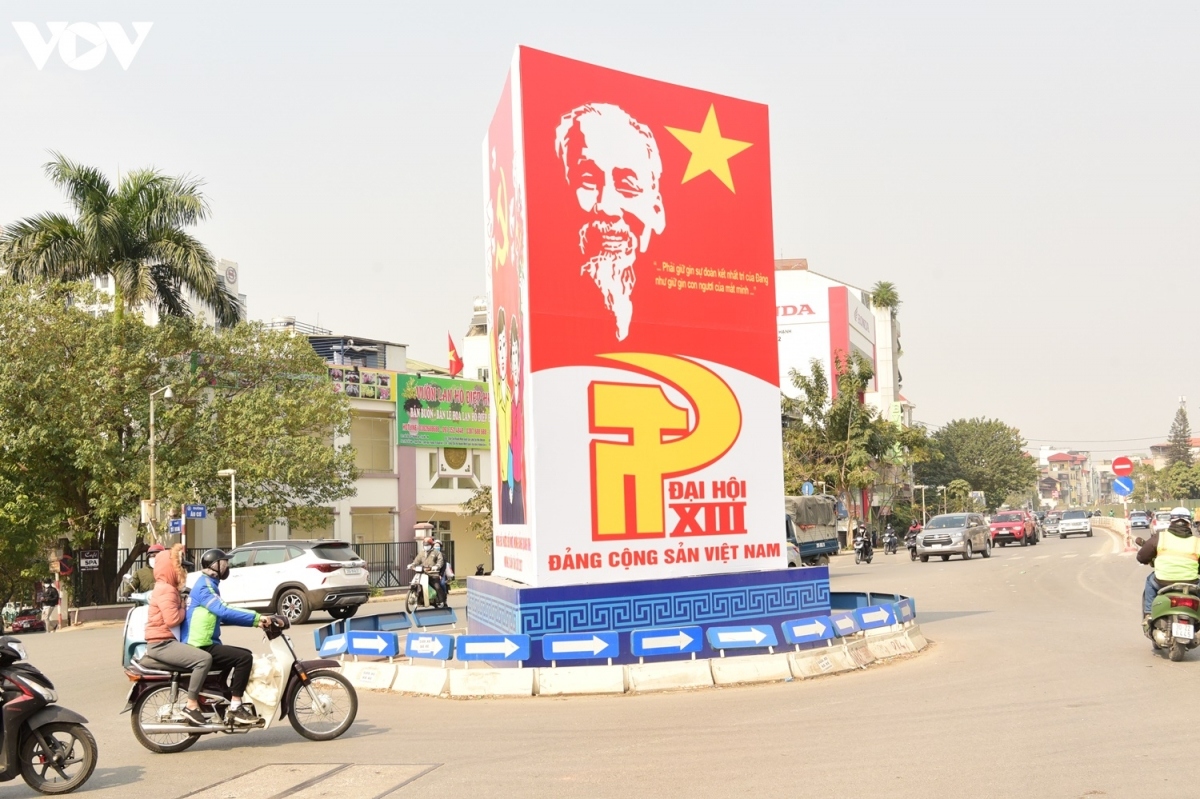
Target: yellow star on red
<point x="710" y="150"/>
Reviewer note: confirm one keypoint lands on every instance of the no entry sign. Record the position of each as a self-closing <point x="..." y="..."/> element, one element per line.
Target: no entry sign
<point x="1122" y="466"/>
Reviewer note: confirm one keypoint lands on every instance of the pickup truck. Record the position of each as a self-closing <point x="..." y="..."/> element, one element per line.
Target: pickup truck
<point x="811" y="524"/>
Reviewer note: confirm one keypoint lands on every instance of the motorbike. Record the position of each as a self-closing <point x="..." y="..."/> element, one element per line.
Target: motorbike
<point x="910" y="541"/>
<point x="43" y="742"/>
<point x="1175" y="618"/>
<point x="420" y="593"/>
<point x="317" y="700"/>
<point x="890" y="543"/>
<point x="862" y="550"/>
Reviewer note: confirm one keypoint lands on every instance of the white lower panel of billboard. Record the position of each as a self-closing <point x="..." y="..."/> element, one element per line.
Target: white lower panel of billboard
<point x="625" y="502"/>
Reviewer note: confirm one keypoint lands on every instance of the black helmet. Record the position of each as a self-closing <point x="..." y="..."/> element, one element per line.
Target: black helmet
<point x="212" y="557"/>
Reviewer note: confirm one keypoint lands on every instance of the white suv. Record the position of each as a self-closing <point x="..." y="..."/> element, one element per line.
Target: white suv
<point x="294" y="578"/>
<point x="1075" y="522"/>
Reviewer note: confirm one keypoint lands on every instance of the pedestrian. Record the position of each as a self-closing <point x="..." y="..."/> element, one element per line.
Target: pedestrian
<point x="49" y="606"/>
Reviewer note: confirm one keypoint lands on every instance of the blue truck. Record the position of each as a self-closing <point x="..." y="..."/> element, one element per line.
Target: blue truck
<point x="811" y="526"/>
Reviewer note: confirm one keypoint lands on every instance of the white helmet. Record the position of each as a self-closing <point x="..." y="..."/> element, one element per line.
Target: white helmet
<point x="1181" y="513"/>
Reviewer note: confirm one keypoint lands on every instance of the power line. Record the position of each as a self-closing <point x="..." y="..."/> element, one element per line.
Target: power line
<point x="1092" y="440"/>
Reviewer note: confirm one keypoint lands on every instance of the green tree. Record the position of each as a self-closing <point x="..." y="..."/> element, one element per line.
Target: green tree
<point x="74" y="413"/>
<point x="986" y="453"/>
<point x="958" y="496"/>
<point x="884" y="295"/>
<point x="479" y="508"/>
<point x="1180" y="440"/>
<point x="134" y="233"/>
<point x="841" y="442"/>
<point x="1146" y="487"/>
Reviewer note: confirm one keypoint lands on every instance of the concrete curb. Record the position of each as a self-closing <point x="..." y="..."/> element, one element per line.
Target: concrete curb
<point x="750" y="669"/>
<point x="671" y="675"/>
<point x="567" y="680"/>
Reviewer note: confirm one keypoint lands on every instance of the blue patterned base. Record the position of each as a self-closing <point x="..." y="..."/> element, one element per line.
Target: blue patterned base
<point x="502" y="606"/>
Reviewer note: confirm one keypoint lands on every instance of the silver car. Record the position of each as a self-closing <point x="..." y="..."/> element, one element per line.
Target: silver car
<point x="955" y="534"/>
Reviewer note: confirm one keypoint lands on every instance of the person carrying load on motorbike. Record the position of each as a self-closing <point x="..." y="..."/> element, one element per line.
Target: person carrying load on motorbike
<point x="1175" y="556"/>
<point x="446" y="574"/>
<point x="163" y="635"/>
<point x="431" y="562"/>
<point x="206" y="611"/>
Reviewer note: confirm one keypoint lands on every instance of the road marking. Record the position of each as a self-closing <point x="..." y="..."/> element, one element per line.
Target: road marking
<point x="1041" y="557"/>
<point x="1072" y="555"/>
<point x="1097" y="555"/>
<point x="1016" y="557"/>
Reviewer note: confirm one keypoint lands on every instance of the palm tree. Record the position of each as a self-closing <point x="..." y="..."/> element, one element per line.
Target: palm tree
<point x="884" y="295"/>
<point x="134" y="234"/>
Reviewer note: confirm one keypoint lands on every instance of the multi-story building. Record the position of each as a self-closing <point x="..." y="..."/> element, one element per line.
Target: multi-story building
<point x="1066" y="479"/>
<point x="398" y="486"/>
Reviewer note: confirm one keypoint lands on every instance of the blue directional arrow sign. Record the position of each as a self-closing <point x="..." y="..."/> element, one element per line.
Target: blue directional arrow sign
<point x="577" y="646"/>
<point x="195" y="511"/>
<point x="742" y="637"/>
<point x="1122" y="486"/>
<point x="492" y="647"/>
<point x="807" y="489"/>
<point x="905" y="610"/>
<point x="333" y="645"/>
<point x="371" y="642"/>
<point x="429" y="645"/>
<point x="666" y="641"/>
<point x="801" y="631"/>
<point x="875" y="616"/>
<point x="845" y="624"/>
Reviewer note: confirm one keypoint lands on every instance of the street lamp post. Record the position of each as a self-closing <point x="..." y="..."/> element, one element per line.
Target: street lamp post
<point x="924" y="517"/>
<point x="167" y="395"/>
<point x="232" y="475"/>
<point x="943" y="490"/>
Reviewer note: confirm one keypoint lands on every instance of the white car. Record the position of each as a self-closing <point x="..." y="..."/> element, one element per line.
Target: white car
<point x="294" y="578"/>
<point x="1162" y="520"/>
<point x="1075" y="522"/>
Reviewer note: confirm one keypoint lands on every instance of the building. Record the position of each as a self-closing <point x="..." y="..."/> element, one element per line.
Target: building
<point x="399" y="485"/>
<point x="1068" y="479"/>
<point x="230" y="273"/>
<point x="1160" y="453"/>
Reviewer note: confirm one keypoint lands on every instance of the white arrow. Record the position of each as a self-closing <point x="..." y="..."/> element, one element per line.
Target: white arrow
<point x="505" y="647"/>
<point x="427" y="646"/>
<point x="812" y="628"/>
<point x="844" y="623"/>
<point x="680" y="639"/>
<point x="595" y="646"/>
<point x="876" y="615"/>
<point x="332" y="642"/>
<point x="753" y="634"/>
<point x="376" y="643"/>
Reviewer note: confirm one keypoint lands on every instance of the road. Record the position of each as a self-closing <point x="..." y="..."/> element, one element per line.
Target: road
<point x="1039" y="683"/>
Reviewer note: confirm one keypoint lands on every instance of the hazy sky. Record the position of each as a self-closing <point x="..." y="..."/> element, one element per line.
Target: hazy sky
<point x="1026" y="174"/>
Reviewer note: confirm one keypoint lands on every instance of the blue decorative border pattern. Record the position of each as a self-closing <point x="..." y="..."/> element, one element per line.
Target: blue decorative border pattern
<point x="627" y="612"/>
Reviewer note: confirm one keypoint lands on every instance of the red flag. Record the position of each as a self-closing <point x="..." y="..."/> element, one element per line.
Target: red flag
<point x="456" y="363"/>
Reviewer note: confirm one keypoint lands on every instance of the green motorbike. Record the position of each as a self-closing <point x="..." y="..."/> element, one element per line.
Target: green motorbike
<point x="1175" y="619"/>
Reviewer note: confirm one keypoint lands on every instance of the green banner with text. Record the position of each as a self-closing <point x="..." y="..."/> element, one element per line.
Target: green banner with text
<point x="441" y="412"/>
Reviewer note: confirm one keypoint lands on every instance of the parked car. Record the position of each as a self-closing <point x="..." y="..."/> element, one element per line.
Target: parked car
<point x="954" y="534"/>
<point x="794" y="558"/>
<point x="1139" y="518"/>
<point x="1162" y="520"/>
<point x="28" y="620"/>
<point x="294" y="578"/>
<point x="1075" y="522"/>
<point x="1013" y="527"/>
<point x="1050" y="525"/>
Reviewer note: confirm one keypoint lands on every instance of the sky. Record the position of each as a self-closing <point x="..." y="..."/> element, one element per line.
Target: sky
<point x="1025" y="173"/>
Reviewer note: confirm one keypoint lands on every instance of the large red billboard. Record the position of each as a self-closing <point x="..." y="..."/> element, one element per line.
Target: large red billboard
<point x="648" y="427"/>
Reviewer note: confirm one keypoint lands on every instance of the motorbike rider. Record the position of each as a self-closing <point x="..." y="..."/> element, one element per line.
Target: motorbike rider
<point x="432" y="563"/>
<point x="889" y="534"/>
<point x="206" y="611"/>
<point x="142" y="580"/>
<point x="1175" y="556"/>
<point x="163" y="643"/>
<point x="446" y="574"/>
<point x="861" y="532"/>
